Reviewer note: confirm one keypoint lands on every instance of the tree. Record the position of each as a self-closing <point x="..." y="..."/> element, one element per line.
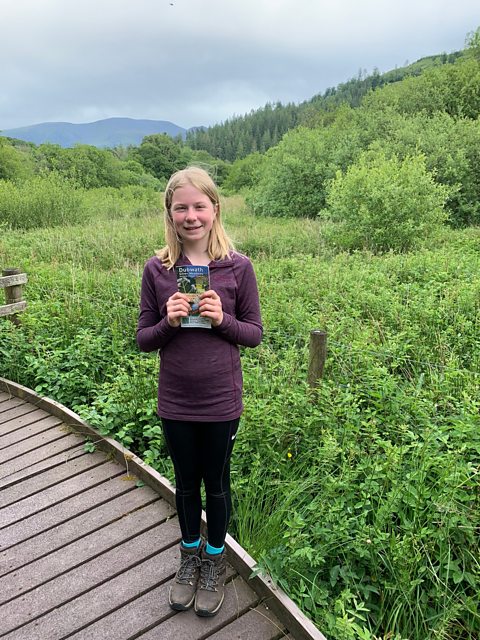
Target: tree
<point x="451" y="148"/>
<point x="91" y="167"/>
<point x="160" y="155"/>
<point x="452" y="88"/>
<point x="292" y="179"/>
<point x="472" y="44"/>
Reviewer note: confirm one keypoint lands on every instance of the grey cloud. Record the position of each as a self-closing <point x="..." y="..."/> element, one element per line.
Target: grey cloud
<point x="201" y="61"/>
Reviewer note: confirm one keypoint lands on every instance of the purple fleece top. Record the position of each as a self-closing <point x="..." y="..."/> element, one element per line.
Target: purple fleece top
<point x="200" y="373"/>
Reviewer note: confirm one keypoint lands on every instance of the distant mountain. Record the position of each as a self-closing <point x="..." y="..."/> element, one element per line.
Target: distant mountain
<point x="102" y="133"/>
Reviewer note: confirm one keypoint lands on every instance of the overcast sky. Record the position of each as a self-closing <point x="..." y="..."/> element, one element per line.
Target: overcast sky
<point x="198" y="62"/>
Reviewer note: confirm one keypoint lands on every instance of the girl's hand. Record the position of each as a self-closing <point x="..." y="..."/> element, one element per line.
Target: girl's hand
<point x="178" y="307"/>
<point x="211" y="307"/>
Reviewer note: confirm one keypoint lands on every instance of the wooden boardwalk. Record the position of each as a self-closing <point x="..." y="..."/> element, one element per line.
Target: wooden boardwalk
<point x="88" y="553"/>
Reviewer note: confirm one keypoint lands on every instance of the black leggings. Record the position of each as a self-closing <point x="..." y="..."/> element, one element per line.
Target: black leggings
<point x="202" y="450"/>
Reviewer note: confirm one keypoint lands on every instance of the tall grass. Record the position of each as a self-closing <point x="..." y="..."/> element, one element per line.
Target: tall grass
<point x="361" y="500"/>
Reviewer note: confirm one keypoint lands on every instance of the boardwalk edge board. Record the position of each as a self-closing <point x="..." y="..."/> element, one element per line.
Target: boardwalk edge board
<point x="274" y="598"/>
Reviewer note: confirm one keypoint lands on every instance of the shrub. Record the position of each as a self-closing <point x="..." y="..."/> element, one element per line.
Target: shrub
<point x="42" y="201"/>
<point x="243" y="173"/>
<point x="293" y="178"/>
<point x="451" y="147"/>
<point x="451" y="88"/>
<point x="124" y="202"/>
<point x="381" y="204"/>
<point x="14" y="164"/>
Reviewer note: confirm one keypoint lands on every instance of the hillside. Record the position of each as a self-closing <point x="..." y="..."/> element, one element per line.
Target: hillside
<point x="264" y="128"/>
<point x="111" y="132"/>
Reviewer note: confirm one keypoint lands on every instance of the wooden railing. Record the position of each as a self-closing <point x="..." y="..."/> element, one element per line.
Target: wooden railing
<point x="12" y="281"/>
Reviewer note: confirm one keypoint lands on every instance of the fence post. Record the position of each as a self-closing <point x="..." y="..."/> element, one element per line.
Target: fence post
<point x="317" y="356"/>
<point x="14" y="293"/>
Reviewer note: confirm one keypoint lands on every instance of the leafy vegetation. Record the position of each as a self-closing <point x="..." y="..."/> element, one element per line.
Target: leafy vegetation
<point x="381" y="204"/>
<point x="434" y="114"/>
<point x="362" y="499"/>
<point x="52" y="200"/>
<point x="40" y="202"/>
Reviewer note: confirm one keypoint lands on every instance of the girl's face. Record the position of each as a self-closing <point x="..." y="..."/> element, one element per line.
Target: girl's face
<point x="193" y="214"/>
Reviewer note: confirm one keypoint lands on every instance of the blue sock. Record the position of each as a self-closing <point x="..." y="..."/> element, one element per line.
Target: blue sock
<point x="214" y="550"/>
<point x="190" y="545"/>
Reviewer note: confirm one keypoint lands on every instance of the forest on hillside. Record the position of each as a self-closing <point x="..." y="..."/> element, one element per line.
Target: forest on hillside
<point x="263" y="128"/>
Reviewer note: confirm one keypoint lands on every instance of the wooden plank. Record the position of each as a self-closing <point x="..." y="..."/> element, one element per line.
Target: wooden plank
<point x="99" y="601"/>
<point x="16" y="307"/>
<point x="53" y="516"/>
<point x="24" y="464"/>
<point x="83" y="550"/>
<point x="10" y="281"/>
<point x="40" y="440"/>
<point x="74" y="529"/>
<point x="5" y="396"/>
<point x="286" y="610"/>
<point x="259" y="623"/>
<point x="49" y="478"/>
<point x="6" y="402"/>
<point x="32" y="429"/>
<point x="58" y="493"/>
<point x="138" y="615"/>
<point x="151" y="609"/>
<point x="116" y="608"/>
<point x="39" y="467"/>
<point x="78" y="581"/>
<point x="188" y="626"/>
<point x="133" y="462"/>
<point x="16" y="412"/>
<point x="19" y="423"/>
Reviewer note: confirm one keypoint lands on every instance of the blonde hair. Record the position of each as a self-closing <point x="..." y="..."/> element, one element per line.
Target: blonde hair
<point x="219" y="244"/>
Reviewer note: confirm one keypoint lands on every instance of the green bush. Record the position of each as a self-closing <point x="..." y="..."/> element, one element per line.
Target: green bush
<point x="42" y="201"/>
<point x="243" y="173"/>
<point x="451" y="146"/>
<point x="14" y="164"/>
<point x="292" y="179"/>
<point x="435" y="114"/>
<point x="384" y="203"/>
<point x="132" y="173"/>
<point x="123" y="202"/>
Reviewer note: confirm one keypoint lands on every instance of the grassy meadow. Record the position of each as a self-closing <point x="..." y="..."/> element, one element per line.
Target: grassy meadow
<point x="362" y="500"/>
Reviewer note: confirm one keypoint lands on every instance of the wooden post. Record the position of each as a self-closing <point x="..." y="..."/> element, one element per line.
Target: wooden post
<point x="318" y="354"/>
<point x="13" y="280"/>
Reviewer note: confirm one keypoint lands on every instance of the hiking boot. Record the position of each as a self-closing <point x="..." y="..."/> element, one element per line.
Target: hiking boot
<point x="182" y="591"/>
<point x="210" y="590"/>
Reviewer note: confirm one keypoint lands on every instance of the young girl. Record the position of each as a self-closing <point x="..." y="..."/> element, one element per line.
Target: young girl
<point x="200" y="383"/>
